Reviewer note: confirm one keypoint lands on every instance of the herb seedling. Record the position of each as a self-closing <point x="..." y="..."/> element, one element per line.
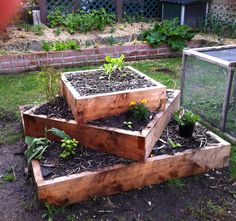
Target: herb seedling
<point x="129" y="124"/>
<point x="139" y="110"/>
<point x="67" y="143"/>
<point x="113" y="64"/>
<point x="185" y="117"/>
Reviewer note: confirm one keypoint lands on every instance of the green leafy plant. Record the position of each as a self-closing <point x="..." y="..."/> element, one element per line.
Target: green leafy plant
<point x="49" y="78"/>
<point x="60" y="45"/>
<point x="10" y="175"/>
<point x="170" y="33"/>
<point x="36" y="29"/>
<point x="36" y="147"/>
<point x="55" y="17"/>
<point x="67" y="143"/>
<point x="185" y="117"/>
<point x="129" y="124"/>
<point x="139" y="110"/>
<point x="52" y="211"/>
<point x="82" y="21"/>
<point x="113" y="64"/>
<point x="111" y="40"/>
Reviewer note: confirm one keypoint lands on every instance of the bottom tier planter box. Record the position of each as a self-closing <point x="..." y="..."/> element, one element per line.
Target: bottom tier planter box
<point x="111" y="180"/>
<point x="135" y="145"/>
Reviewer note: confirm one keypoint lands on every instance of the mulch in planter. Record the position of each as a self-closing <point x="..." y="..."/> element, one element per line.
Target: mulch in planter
<point x="57" y="108"/>
<point x="90" y="83"/>
<point x="91" y="160"/>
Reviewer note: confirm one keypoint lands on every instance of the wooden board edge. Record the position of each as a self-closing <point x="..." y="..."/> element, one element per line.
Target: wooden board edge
<point x="194" y="163"/>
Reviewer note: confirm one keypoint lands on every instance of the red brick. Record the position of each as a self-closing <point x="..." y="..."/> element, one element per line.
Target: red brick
<point x="19" y="63"/>
<point x="30" y="56"/>
<point x="6" y="65"/>
<point x="18" y="69"/>
<point x="44" y="62"/>
<point x="143" y="52"/>
<point x="111" y="50"/>
<point x="17" y="57"/>
<point x="101" y="57"/>
<point x="31" y="63"/>
<point x="89" y="51"/>
<point x="80" y="58"/>
<point x="6" y="71"/>
<point x="56" y="60"/>
<point x="54" y="54"/>
<point x="131" y="47"/>
<point x="5" y="58"/>
<point x="142" y="46"/>
<point x="92" y="57"/>
<point x="42" y="55"/>
<point x="100" y="50"/>
<point x="68" y="60"/>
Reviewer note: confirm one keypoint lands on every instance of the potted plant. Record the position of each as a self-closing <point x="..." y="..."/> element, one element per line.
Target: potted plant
<point x="186" y="121"/>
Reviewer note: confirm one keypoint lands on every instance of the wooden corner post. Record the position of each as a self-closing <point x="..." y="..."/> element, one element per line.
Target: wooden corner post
<point x="43" y="10"/>
<point x="119" y="9"/>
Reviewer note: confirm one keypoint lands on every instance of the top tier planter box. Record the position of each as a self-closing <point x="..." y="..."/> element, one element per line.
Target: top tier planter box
<point x="91" y="107"/>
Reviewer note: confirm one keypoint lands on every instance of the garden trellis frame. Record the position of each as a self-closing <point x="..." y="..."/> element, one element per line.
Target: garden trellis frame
<point x="144" y="8"/>
<point x="199" y="67"/>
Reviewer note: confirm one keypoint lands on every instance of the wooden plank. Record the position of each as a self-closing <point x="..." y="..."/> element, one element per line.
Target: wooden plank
<point x="80" y="187"/>
<point x="133" y="145"/>
<point x="119" y="9"/>
<point x="88" y="108"/>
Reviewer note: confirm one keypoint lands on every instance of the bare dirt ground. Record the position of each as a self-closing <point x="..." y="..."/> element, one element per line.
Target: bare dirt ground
<point x="210" y="196"/>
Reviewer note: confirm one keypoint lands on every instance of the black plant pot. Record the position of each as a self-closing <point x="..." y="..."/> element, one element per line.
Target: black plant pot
<point x="186" y="131"/>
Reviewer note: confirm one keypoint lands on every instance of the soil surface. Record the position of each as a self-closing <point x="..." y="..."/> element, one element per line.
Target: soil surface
<point x="86" y="160"/>
<point x="57" y="108"/>
<point x="97" y="82"/>
<point x="91" y="160"/>
<point x="207" y="197"/>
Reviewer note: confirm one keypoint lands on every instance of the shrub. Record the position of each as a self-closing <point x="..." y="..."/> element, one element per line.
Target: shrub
<point x="185" y="117"/>
<point x="169" y="32"/>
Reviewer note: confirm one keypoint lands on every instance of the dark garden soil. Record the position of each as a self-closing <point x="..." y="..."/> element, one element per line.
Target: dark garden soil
<point x="57" y="108"/>
<point x="206" y="197"/>
<point x="86" y="160"/>
<point x="97" y="82"/>
<point x="91" y="160"/>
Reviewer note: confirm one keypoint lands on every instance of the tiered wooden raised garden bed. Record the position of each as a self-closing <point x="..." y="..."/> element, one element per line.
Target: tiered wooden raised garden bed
<point x="92" y="107"/>
<point x="86" y="185"/>
<point x="134" y="145"/>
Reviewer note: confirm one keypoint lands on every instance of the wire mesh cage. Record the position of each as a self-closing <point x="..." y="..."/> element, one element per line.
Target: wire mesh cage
<point x="209" y="85"/>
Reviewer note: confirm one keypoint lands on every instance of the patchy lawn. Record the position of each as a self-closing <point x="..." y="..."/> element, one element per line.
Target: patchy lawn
<point x="205" y="197"/>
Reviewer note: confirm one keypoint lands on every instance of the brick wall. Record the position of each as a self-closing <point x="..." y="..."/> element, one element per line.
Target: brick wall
<point x="12" y="64"/>
<point x="224" y="9"/>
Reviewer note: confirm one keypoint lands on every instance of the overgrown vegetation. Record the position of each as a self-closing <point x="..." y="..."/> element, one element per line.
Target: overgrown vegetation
<point x="81" y="21"/>
<point x="52" y="211"/>
<point x="214" y="25"/>
<point x="49" y="78"/>
<point x="69" y="44"/>
<point x="168" y="32"/>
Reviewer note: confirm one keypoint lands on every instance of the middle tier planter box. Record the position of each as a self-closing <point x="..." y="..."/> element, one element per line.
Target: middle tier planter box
<point x="135" y="145"/>
<point x="91" y="97"/>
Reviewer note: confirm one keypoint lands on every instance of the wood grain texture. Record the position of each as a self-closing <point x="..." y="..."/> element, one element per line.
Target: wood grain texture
<point x="80" y="187"/>
<point x="133" y="145"/>
<point x="88" y="108"/>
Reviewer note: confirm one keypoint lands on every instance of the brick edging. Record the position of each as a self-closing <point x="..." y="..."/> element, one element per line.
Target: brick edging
<point x="13" y="64"/>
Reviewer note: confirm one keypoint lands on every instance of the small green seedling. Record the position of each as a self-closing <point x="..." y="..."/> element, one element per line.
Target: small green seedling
<point x="113" y="64"/>
<point x="52" y="211"/>
<point x="69" y="147"/>
<point x="67" y="143"/>
<point x="185" y="117"/>
<point x="173" y="144"/>
<point x="129" y="124"/>
<point x="10" y="175"/>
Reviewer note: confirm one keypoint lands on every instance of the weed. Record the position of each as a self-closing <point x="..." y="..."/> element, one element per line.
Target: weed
<point x="52" y="211"/>
<point x="49" y="79"/>
<point x="36" y="29"/>
<point x="10" y="175"/>
<point x="176" y="183"/>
